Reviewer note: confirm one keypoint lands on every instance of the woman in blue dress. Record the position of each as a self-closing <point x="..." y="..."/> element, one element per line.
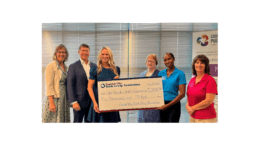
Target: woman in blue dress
<point x="105" y="69"/>
<point x="149" y="115"/>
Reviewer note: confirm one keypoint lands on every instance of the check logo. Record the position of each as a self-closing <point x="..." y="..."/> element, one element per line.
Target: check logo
<point x="102" y="85"/>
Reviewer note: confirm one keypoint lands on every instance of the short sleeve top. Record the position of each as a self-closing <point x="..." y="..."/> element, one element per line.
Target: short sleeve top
<point x="197" y="93"/>
<point x="171" y="83"/>
<point x="104" y="74"/>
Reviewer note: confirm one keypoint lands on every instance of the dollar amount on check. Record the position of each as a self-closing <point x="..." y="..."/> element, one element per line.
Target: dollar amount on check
<point x="130" y="94"/>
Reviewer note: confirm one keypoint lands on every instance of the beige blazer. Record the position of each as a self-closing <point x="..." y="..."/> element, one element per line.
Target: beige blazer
<point x="52" y="78"/>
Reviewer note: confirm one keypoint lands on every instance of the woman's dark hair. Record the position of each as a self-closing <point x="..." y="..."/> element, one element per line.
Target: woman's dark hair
<point x="169" y="53"/>
<point x="203" y="59"/>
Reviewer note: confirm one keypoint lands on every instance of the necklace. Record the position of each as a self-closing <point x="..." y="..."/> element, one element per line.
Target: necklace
<point x="149" y="73"/>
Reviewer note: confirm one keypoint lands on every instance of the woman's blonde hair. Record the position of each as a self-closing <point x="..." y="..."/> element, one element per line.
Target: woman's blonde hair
<point x="154" y="58"/>
<point x="61" y="46"/>
<point x="110" y="61"/>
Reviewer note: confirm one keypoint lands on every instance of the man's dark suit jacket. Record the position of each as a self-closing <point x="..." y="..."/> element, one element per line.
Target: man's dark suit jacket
<point x="77" y="83"/>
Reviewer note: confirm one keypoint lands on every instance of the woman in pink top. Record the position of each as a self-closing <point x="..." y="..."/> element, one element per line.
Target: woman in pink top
<point x="201" y="92"/>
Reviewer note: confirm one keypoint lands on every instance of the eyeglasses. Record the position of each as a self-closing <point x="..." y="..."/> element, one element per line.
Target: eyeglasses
<point x="150" y="61"/>
<point x="62" y="52"/>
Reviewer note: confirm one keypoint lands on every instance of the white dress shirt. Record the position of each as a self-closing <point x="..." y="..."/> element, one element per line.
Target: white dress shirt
<point x="86" y="67"/>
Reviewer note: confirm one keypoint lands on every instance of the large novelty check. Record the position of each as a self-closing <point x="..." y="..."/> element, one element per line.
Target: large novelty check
<point x="130" y="94"/>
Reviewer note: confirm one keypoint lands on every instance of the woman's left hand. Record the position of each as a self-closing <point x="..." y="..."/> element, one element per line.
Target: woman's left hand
<point x="116" y="77"/>
<point x="164" y="107"/>
<point x="189" y="109"/>
<point x="96" y="108"/>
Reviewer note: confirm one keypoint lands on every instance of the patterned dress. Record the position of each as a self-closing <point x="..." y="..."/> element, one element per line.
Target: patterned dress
<point x="152" y="115"/>
<point x="62" y="114"/>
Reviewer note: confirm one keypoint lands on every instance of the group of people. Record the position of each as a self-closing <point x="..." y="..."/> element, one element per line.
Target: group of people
<point x="76" y="87"/>
<point x="201" y="91"/>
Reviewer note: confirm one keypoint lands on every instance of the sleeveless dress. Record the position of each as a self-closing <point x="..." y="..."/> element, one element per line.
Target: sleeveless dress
<point x="102" y="117"/>
<point x="62" y="114"/>
<point x="153" y="115"/>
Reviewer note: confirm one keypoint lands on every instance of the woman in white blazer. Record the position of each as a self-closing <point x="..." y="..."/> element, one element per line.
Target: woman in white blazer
<point x="55" y="104"/>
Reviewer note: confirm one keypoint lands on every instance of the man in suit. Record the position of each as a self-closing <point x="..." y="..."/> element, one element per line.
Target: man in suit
<point x="77" y="83"/>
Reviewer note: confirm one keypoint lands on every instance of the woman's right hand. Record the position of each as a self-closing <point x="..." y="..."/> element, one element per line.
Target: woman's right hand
<point x="189" y="109"/>
<point x="52" y="107"/>
<point x="96" y="108"/>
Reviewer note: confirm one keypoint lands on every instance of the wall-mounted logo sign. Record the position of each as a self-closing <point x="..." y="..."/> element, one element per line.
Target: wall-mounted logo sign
<point x="203" y="40"/>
